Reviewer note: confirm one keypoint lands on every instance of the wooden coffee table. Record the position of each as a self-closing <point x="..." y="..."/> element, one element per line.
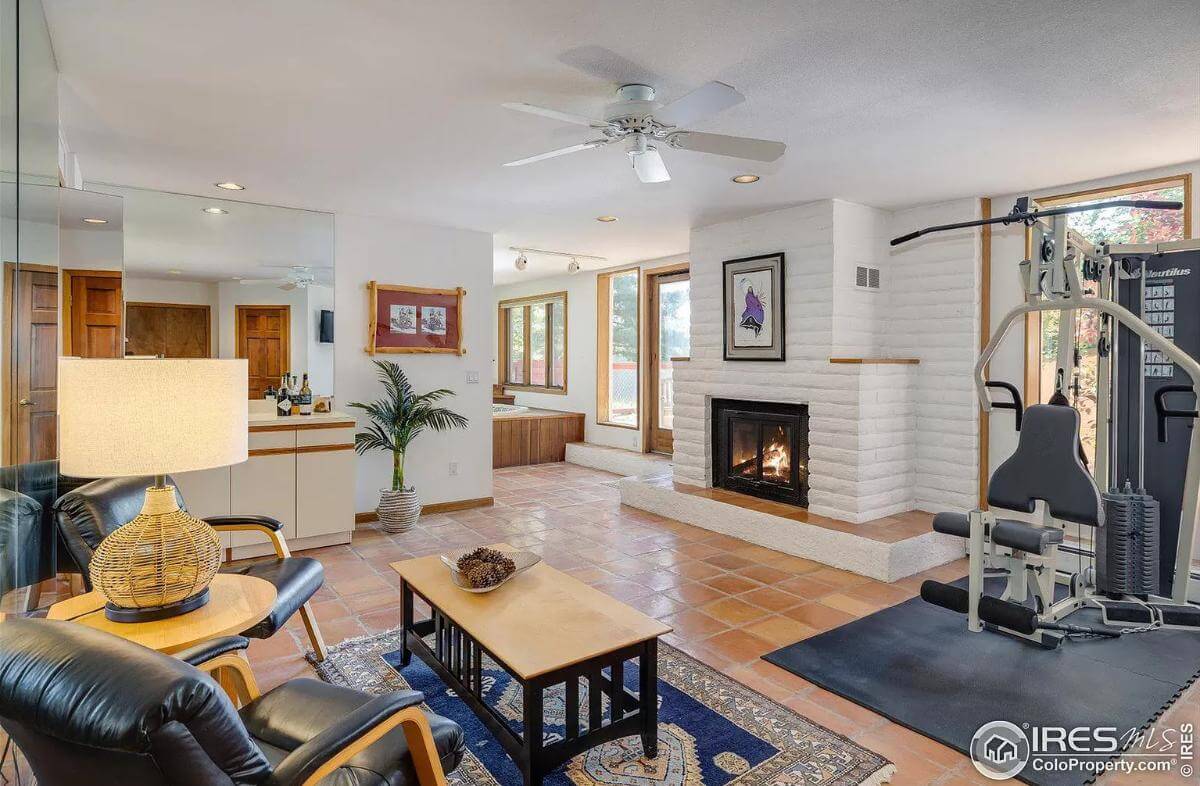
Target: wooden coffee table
<point x="544" y="628"/>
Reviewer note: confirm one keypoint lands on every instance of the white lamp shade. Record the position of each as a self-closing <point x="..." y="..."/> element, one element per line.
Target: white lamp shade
<point x="150" y="417"/>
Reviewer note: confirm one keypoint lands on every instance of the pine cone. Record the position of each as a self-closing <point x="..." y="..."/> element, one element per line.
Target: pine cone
<point x="485" y="574"/>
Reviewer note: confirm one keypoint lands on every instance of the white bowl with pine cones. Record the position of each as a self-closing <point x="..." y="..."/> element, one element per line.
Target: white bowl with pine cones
<point x="484" y="569"/>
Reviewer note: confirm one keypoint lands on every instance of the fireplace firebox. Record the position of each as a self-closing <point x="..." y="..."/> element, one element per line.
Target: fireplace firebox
<point x="761" y="448"/>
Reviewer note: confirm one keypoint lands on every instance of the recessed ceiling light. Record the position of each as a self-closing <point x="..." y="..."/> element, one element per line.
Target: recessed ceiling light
<point x="216" y="211"/>
<point x="238" y="278"/>
<point x="606" y="219"/>
<point x="175" y="272"/>
<point x="745" y="179"/>
<point x="230" y="186"/>
<point x="95" y="220"/>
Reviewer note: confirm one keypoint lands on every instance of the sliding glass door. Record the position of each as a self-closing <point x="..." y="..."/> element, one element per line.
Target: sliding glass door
<point x="669" y="299"/>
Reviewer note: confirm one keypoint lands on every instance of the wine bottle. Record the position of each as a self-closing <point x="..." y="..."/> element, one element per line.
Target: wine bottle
<point x="283" y="400"/>
<point x="306" y="398"/>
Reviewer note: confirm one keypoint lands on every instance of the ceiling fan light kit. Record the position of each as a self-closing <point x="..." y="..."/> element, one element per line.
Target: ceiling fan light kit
<point x="643" y="123"/>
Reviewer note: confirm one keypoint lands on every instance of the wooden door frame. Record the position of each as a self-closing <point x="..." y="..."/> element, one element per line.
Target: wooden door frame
<point x="64" y="311"/>
<point x="240" y="337"/>
<point x="6" y="375"/>
<point x="208" y="353"/>
<point x="649" y="348"/>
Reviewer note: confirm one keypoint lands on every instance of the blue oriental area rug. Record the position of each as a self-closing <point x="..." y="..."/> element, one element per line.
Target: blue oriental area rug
<point x="713" y="731"/>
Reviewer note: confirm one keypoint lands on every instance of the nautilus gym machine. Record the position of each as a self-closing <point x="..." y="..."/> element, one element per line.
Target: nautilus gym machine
<point x="1064" y="272"/>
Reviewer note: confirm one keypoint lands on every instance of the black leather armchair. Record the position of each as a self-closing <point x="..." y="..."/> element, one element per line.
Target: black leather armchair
<point x="90" y="512"/>
<point x="85" y="706"/>
<point x="28" y="538"/>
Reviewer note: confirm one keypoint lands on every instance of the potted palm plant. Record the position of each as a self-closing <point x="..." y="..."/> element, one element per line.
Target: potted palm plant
<point x="396" y="420"/>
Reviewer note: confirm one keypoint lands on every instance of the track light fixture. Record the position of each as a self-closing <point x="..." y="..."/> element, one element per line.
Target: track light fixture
<point x="573" y="267"/>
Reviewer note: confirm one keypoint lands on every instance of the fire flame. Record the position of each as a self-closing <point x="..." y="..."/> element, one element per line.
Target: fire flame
<point x="776" y="460"/>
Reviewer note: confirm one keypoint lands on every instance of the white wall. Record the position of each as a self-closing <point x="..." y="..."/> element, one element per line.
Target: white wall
<point x="581" y="351"/>
<point x="1008" y="249"/>
<point x="934" y="288"/>
<point x="320" y="356"/>
<point x="158" y="290"/>
<point x="395" y="252"/>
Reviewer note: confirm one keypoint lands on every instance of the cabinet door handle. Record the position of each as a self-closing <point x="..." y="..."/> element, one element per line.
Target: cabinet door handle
<point x="25" y="402"/>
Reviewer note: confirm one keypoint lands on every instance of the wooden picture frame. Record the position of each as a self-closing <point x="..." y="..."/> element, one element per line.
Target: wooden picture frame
<point x="769" y="315"/>
<point x="430" y="321"/>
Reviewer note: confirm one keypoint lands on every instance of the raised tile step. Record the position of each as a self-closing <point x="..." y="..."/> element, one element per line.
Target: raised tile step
<point x="885" y="549"/>
<point x="616" y="460"/>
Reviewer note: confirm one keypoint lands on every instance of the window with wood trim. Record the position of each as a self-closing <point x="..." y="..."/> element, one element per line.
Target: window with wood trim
<point x="533" y="343"/>
<point x="1120" y="225"/>
<point x="618" y="337"/>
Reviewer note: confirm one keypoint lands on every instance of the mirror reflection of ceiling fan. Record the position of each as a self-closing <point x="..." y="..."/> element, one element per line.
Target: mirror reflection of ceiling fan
<point x="297" y="277"/>
<point x="642" y="124"/>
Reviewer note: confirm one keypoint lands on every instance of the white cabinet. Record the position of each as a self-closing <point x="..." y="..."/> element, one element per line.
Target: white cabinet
<point x="264" y="486"/>
<point x="300" y="472"/>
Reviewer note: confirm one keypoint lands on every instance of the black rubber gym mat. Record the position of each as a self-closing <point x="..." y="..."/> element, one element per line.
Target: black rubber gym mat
<point x="917" y="665"/>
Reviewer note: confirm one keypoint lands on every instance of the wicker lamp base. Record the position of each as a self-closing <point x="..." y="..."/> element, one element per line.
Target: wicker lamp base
<point x="159" y="565"/>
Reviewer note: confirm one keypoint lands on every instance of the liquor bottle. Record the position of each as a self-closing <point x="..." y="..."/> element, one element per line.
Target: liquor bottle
<point x="306" y="398"/>
<point x="295" y="390"/>
<point x="283" y="400"/>
<point x="269" y="395"/>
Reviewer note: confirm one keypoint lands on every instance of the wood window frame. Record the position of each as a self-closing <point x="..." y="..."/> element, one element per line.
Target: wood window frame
<point x="1033" y="321"/>
<point x="648" y="353"/>
<point x="604" y="342"/>
<point x="503" y="309"/>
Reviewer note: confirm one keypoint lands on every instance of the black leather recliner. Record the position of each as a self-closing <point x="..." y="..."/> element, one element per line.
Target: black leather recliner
<point x="89" y="513"/>
<point x="85" y="706"/>
<point x="28" y="535"/>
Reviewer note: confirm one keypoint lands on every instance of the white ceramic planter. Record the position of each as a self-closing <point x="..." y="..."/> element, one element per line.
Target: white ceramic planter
<point x="398" y="511"/>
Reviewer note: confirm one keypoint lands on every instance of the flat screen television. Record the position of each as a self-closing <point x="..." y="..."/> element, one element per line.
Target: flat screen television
<point x="326" y="326"/>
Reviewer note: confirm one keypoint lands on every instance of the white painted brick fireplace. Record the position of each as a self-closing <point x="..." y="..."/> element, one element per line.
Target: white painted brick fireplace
<point x="883" y="438"/>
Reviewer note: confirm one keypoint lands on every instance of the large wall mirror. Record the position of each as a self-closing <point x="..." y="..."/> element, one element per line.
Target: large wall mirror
<point x="208" y="277"/>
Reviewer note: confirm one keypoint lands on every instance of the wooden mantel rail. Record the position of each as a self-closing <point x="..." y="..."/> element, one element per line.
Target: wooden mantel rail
<point x="878" y="361"/>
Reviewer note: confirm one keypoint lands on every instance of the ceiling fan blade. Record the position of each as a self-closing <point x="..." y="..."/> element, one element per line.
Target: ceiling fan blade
<point x="649" y="166"/>
<point x="562" y="151"/>
<point x="732" y="146"/>
<point x="554" y="114"/>
<point x="249" y="282"/>
<point x="699" y="104"/>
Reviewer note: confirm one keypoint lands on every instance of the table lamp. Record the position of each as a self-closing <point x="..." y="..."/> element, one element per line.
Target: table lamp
<point x="152" y="417"/>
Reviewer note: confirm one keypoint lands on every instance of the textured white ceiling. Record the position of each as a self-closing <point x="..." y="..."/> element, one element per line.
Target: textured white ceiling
<point x="393" y="108"/>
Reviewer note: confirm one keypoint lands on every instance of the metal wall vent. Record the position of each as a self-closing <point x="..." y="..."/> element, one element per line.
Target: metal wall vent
<point x="866" y="277"/>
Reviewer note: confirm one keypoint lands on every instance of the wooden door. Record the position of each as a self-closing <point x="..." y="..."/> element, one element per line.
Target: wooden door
<point x="94" y="305"/>
<point x="31" y="377"/>
<point x="669" y="306"/>
<point x="262" y="338"/>
<point x="172" y="330"/>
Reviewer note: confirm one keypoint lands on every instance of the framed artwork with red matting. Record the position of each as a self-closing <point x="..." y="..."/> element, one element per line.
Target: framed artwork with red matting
<point x="415" y="320"/>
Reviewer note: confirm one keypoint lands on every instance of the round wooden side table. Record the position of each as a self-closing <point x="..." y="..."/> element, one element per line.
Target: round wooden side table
<point x="236" y="603"/>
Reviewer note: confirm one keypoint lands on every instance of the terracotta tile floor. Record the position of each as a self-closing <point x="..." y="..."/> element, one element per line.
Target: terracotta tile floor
<point x="728" y="601"/>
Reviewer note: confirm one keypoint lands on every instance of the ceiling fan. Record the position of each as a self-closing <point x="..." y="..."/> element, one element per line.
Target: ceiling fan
<point x="639" y="121"/>
<point x="297" y="277"/>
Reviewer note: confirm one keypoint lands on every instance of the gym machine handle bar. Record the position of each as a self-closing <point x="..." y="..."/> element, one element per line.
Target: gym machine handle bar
<point x="1028" y="217"/>
<point x="1015" y="405"/>
<point x="1160" y="408"/>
